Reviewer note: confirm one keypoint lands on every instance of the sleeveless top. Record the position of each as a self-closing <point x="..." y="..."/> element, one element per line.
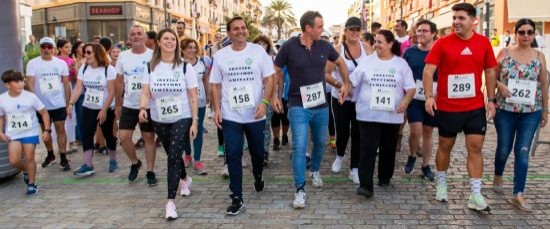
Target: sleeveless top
<point x="351" y="67"/>
<point x="512" y="69"/>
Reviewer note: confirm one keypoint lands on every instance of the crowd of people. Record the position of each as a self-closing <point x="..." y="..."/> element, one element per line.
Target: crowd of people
<point x="370" y="83"/>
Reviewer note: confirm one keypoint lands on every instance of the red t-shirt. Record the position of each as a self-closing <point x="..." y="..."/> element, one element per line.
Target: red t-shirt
<point x="462" y="63"/>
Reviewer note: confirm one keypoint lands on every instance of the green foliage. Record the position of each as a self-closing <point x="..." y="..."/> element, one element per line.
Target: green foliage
<point x="253" y="30"/>
<point x="29" y="55"/>
<point x="279" y="15"/>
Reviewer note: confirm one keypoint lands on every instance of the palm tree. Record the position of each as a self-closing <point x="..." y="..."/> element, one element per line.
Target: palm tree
<point x="279" y="15"/>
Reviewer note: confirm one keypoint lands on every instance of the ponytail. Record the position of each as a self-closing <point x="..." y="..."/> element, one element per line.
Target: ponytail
<point x="396" y="48"/>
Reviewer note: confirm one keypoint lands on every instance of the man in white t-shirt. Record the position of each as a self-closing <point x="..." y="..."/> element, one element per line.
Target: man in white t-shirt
<point x="239" y="73"/>
<point x="130" y="67"/>
<point x="48" y="78"/>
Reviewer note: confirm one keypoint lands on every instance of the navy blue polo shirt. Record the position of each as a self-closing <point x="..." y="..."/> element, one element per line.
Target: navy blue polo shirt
<point x="305" y="67"/>
<point x="415" y="58"/>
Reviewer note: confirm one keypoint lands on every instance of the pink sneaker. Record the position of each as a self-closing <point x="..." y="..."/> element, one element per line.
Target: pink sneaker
<point x="171" y="213"/>
<point x="199" y="168"/>
<point x="185" y="186"/>
<point x="187" y="160"/>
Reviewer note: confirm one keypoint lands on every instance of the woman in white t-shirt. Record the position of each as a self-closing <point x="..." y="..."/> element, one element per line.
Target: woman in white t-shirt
<point x="18" y="115"/>
<point x="189" y="49"/>
<point x="170" y="89"/>
<point x="386" y="87"/>
<point x="97" y="79"/>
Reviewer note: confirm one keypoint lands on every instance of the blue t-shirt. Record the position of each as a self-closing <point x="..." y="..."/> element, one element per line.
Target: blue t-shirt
<point x="305" y="67"/>
<point x="415" y="58"/>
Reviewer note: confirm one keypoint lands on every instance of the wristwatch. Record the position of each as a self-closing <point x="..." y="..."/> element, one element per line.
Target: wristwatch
<point x="493" y="100"/>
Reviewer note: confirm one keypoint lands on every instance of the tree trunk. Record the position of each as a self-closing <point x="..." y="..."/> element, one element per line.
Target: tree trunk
<point x="9" y="22"/>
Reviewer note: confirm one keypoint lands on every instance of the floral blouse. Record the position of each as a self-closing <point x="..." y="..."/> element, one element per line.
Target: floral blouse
<point x="512" y="69"/>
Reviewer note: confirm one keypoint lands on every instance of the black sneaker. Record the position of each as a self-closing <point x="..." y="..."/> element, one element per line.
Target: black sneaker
<point x="151" y="179"/>
<point x="259" y="184"/>
<point x="276" y="144"/>
<point x="364" y="192"/>
<point x="26" y="178"/>
<point x="285" y="140"/>
<point x="64" y="165"/>
<point x="236" y="206"/>
<point x="427" y="173"/>
<point x="134" y="170"/>
<point x="409" y="166"/>
<point x="383" y="183"/>
<point x="48" y="161"/>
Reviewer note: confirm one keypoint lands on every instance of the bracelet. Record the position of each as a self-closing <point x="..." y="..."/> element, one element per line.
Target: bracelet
<point x="265" y="101"/>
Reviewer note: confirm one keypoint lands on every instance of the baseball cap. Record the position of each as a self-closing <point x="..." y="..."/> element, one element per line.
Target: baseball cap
<point x="47" y="40"/>
<point x="353" y="22"/>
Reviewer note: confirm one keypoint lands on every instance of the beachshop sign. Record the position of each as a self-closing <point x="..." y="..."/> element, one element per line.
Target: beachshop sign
<point x="105" y="10"/>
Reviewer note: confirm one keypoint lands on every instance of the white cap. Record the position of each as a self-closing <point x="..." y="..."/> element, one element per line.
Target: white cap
<point x="295" y="34"/>
<point x="325" y="34"/>
<point x="47" y="40"/>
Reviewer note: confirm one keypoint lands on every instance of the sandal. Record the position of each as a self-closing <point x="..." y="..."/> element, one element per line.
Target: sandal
<point x="523" y="206"/>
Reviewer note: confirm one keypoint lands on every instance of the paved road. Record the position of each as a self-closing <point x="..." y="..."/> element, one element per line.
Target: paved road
<point x="107" y="200"/>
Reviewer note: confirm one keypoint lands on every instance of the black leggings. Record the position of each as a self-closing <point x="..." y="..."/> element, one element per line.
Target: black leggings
<point x="376" y="136"/>
<point x="89" y="123"/>
<point x="344" y="115"/>
<point x="331" y="130"/>
<point x="173" y="138"/>
<point x="280" y="118"/>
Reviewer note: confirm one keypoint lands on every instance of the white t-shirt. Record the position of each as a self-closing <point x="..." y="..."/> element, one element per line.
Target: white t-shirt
<point x="169" y="99"/>
<point x="95" y="85"/>
<point x="201" y="67"/>
<point x="402" y="39"/>
<point x="241" y="75"/>
<point x="132" y="66"/>
<point x="20" y="114"/>
<point x="381" y="79"/>
<point x="48" y="81"/>
<point x="351" y="67"/>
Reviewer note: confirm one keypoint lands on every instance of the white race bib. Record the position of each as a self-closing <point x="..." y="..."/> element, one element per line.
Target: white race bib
<point x="461" y="86"/>
<point x="19" y="122"/>
<point x="313" y="95"/>
<point x="382" y="99"/>
<point x="93" y="98"/>
<point x="49" y="85"/>
<point x="133" y="87"/>
<point x="241" y="97"/>
<point x="420" y="94"/>
<point x="523" y="91"/>
<point x="170" y="108"/>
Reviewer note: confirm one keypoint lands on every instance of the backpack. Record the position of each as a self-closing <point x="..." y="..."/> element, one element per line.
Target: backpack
<point x="86" y="67"/>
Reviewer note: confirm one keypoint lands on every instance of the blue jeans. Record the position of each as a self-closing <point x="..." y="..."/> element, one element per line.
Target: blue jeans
<point x="233" y="133"/>
<point x="197" y="142"/>
<point x="522" y="126"/>
<point x="301" y="120"/>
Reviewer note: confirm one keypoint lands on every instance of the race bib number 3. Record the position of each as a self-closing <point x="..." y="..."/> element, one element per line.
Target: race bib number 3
<point x="382" y="99"/>
<point x="50" y="85"/>
<point x="133" y="85"/>
<point x="461" y="86"/>
<point x="523" y="91"/>
<point x="313" y="95"/>
<point x="93" y="98"/>
<point x="241" y="97"/>
<point x="19" y="122"/>
<point x="420" y="94"/>
<point x="169" y="108"/>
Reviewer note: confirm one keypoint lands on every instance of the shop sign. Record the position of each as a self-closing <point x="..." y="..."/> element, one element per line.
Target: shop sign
<point x="105" y="10"/>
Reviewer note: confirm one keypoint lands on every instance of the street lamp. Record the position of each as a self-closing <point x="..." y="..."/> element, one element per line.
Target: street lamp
<point x="401" y="3"/>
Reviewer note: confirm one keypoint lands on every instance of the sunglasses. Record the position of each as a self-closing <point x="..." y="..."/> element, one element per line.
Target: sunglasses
<point x="46" y="47"/>
<point x="88" y="53"/>
<point x="528" y="32"/>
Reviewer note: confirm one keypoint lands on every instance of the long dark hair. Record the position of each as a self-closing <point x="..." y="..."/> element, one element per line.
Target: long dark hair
<point x="100" y="54"/>
<point x="75" y="47"/>
<point x="390" y="38"/>
<point x="60" y="43"/>
<point x="526" y="21"/>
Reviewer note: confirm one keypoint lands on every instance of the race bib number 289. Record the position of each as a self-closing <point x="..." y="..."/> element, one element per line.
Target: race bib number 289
<point x="461" y="86"/>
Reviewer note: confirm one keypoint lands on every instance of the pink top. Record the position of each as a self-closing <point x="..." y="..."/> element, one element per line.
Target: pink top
<point x="70" y="64"/>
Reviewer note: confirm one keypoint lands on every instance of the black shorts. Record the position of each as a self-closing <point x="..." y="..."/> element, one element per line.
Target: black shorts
<point x="59" y="114"/>
<point x="470" y="122"/>
<point x="416" y="112"/>
<point x="129" y="118"/>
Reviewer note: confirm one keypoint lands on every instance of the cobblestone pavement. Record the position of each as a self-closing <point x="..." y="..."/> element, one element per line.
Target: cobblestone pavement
<point x="107" y="200"/>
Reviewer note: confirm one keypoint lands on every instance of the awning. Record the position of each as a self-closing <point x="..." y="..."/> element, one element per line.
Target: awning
<point x="536" y="10"/>
<point x="443" y="20"/>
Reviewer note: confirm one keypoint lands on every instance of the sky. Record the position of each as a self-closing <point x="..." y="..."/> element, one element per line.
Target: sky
<point x="334" y="11"/>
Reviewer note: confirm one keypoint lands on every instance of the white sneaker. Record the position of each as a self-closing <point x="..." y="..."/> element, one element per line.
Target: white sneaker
<point x="225" y="171"/>
<point x="354" y="175"/>
<point x="299" y="199"/>
<point x="171" y="213"/>
<point x="185" y="186"/>
<point x="337" y="164"/>
<point x="316" y="179"/>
